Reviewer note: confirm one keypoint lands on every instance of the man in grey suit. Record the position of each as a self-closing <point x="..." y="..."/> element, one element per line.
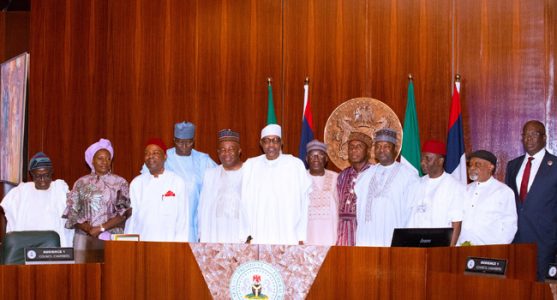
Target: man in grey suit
<point x="533" y="178"/>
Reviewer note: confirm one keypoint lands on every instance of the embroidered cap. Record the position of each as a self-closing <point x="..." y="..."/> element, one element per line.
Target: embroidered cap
<point x="228" y="135"/>
<point x="385" y="135"/>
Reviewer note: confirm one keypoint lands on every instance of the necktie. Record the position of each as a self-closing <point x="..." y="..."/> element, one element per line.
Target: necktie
<point x="525" y="179"/>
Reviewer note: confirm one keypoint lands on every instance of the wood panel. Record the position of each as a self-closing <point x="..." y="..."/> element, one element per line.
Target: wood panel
<point x="326" y="41"/>
<point x="501" y="57"/>
<point x="458" y="286"/>
<point x="128" y="70"/>
<point x="146" y="270"/>
<point x="367" y="48"/>
<point x="51" y="282"/>
<point x="371" y="273"/>
<point x="521" y="259"/>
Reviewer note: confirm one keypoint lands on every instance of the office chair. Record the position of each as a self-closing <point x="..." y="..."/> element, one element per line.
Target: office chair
<point x="15" y="242"/>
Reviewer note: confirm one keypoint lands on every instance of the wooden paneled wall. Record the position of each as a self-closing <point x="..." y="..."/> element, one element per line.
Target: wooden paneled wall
<point x="128" y="70"/>
<point x="14" y="34"/>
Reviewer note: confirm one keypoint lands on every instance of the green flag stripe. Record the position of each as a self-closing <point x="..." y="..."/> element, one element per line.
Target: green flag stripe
<point x="411" y="142"/>
<point x="271" y="116"/>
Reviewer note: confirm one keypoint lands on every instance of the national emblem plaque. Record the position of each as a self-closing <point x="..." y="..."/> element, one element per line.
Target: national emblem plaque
<point x="365" y="115"/>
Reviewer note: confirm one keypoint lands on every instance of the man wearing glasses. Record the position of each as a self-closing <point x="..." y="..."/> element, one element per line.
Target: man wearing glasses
<point x="38" y="205"/>
<point x="275" y="189"/>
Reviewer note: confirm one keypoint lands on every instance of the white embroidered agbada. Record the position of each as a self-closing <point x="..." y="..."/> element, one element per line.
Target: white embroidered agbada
<point x="437" y="202"/>
<point x="160" y="210"/>
<point x="275" y="200"/>
<point x="489" y="214"/>
<point x="322" y="211"/>
<point x="383" y="193"/>
<point x="219" y="206"/>
<point x="27" y="208"/>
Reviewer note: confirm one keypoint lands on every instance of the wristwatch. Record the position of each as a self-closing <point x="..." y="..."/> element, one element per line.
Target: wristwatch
<point x="102" y="228"/>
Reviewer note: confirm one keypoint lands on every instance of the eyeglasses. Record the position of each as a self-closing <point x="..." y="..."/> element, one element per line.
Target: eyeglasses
<point x="532" y="135"/>
<point x="45" y="176"/>
<point x="267" y="141"/>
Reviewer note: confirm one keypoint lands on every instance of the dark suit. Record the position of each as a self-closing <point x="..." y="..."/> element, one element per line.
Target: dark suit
<point x="537" y="217"/>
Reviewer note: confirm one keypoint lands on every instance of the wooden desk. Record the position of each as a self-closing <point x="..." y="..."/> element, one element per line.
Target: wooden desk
<point x="57" y="282"/>
<point x="139" y="270"/>
<point x="147" y="270"/>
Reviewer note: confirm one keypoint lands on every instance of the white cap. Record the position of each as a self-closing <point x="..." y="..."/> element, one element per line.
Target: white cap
<point x="271" y="129"/>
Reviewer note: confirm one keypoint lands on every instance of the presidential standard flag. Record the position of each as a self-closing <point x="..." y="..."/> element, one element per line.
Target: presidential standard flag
<point x="307" y="125"/>
<point x="455" y="162"/>
<point x="271" y="116"/>
<point x="411" y="153"/>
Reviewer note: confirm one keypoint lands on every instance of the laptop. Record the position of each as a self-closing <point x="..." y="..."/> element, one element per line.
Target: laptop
<point x="422" y="237"/>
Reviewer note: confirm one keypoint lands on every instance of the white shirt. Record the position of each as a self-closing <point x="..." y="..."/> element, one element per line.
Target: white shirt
<point x="219" y="206"/>
<point x="160" y="210"/>
<point x="275" y="200"/>
<point x="437" y="202"/>
<point x="382" y="202"/>
<point x="27" y="208"/>
<point x="536" y="163"/>
<point x="489" y="214"/>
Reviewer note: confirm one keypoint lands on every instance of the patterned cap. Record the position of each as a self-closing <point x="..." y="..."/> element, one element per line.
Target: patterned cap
<point x="385" y="135"/>
<point x="40" y="161"/>
<point x="228" y="135"/>
<point x="316" y="145"/>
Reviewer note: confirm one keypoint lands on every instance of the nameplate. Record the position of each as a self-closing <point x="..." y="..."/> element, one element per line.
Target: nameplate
<point x="551" y="274"/>
<point x="126" y="237"/>
<point x="486" y="266"/>
<point x="35" y="256"/>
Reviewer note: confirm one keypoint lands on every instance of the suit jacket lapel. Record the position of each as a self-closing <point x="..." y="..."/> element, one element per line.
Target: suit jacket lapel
<point x="542" y="171"/>
<point x="514" y="172"/>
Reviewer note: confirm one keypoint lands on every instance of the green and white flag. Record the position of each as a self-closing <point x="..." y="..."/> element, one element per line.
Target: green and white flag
<point x="410" y="153"/>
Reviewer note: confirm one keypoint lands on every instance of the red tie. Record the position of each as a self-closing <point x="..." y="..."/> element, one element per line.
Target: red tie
<point x="525" y="179"/>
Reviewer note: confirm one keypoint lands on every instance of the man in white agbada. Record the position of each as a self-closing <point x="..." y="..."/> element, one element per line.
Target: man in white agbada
<point x="38" y="205"/>
<point x="275" y="191"/>
<point x="490" y="210"/>
<point x="190" y="165"/>
<point x="383" y="194"/>
<point x="159" y="200"/>
<point x="439" y="198"/>
<point x="219" y="204"/>
<point x="323" y="198"/>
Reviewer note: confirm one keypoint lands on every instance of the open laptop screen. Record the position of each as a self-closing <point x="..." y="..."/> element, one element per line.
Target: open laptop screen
<point x="422" y="237"/>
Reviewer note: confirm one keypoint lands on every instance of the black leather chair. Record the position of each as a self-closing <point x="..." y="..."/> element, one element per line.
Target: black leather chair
<point x="16" y="241"/>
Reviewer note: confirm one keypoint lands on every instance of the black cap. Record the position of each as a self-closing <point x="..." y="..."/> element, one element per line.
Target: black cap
<point x="484" y="154"/>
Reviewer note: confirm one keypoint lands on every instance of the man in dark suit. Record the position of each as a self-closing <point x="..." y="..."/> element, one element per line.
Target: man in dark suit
<point x="533" y="178"/>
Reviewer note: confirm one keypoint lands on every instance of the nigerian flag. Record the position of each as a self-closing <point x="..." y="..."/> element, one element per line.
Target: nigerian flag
<point x="271" y="116"/>
<point x="410" y="153"/>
